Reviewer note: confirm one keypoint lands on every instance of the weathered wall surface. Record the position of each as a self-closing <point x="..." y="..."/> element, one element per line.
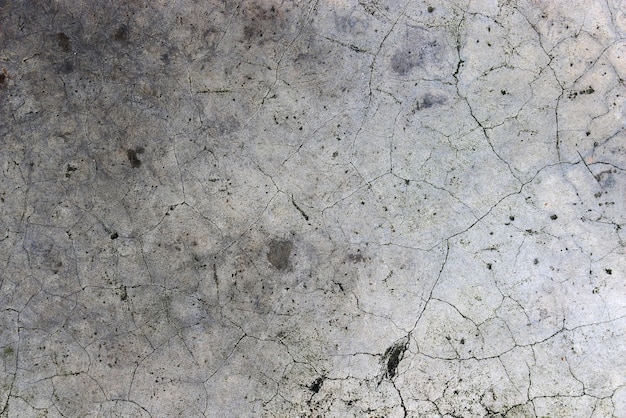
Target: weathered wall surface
<point x="318" y="208"/>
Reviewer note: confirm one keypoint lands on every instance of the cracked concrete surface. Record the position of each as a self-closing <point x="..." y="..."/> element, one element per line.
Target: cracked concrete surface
<point x="317" y="208"/>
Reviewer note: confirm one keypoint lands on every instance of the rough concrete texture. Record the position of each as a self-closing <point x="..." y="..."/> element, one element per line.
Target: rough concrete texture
<point x="321" y="208"/>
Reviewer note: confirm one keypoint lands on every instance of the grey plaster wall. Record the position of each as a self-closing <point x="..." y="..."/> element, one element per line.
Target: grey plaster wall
<point x="322" y="208"/>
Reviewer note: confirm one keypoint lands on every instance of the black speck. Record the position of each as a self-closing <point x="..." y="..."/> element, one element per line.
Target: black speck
<point x="589" y="90"/>
<point x="553" y="217"/>
<point x="489" y="266"/>
<point x="462" y="340"/>
<point x="536" y="261"/>
<point x="430" y="9"/>
<point x="503" y="92"/>
<point x="511" y="218"/>
<point x="608" y="271"/>
<point x="114" y="235"/>
<point x="316" y="385"/>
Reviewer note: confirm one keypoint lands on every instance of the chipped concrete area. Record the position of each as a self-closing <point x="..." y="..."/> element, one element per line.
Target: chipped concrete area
<point x="313" y="208"/>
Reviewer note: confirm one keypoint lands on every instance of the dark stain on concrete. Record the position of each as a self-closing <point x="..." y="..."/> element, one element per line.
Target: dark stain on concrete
<point x="279" y="253"/>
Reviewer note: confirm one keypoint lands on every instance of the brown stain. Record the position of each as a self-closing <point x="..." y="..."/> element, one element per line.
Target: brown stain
<point x="4" y="76"/>
<point x="64" y="42"/>
<point x="122" y="34"/>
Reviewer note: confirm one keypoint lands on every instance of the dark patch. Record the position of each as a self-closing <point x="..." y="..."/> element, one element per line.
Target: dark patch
<point x="428" y="101"/>
<point x="122" y="34"/>
<point x="392" y="358"/>
<point x="67" y="67"/>
<point x="350" y="23"/>
<point x="316" y="385"/>
<point x="250" y="32"/>
<point x="536" y="261"/>
<point x="279" y="253"/>
<point x="430" y="9"/>
<point x="3" y="76"/>
<point x="605" y="178"/>
<point x="503" y="92"/>
<point x="553" y="217"/>
<point x="132" y="157"/>
<point x="114" y="235"/>
<point x="357" y="258"/>
<point x="462" y="341"/>
<point x="373" y="7"/>
<point x="124" y="294"/>
<point x="608" y="271"/>
<point x="262" y="23"/>
<point x="421" y="47"/>
<point x="64" y="42"/>
<point x="403" y="62"/>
